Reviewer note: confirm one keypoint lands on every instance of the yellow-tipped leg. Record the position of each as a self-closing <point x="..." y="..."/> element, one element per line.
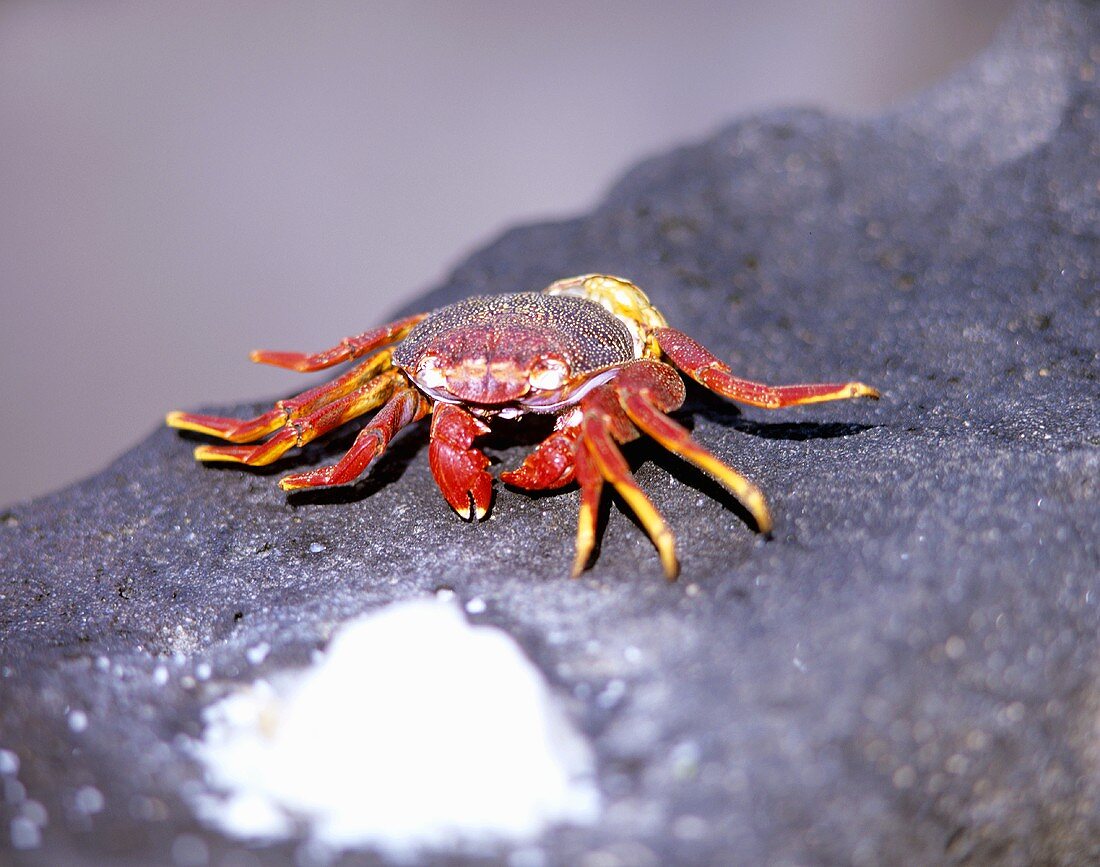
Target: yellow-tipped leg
<point x="718" y="379"/>
<point x="232" y="429"/>
<point x="676" y="439"/>
<point x="705" y="367"/>
<point x="840" y="392"/>
<point x="302" y="431"/>
<point x="233" y="454"/>
<point x="654" y="524"/>
<point x="586" y="539"/>
<point x="591" y="484"/>
<point x="613" y="467"/>
<point x="237" y="430"/>
<point x="255" y="456"/>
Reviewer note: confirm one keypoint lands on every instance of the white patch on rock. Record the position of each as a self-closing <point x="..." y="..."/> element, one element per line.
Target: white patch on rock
<point x="259" y="653"/>
<point x="9" y="762"/>
<point x="89" y="800"/>
<point x="416" y="730"/>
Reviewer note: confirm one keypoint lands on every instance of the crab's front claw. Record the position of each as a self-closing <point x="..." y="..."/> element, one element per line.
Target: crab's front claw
<point x="551" y="465"/>
<point x="458" y="468"/>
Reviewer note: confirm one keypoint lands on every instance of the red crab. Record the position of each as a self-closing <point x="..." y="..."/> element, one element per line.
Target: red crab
<point x="588" y="349"/>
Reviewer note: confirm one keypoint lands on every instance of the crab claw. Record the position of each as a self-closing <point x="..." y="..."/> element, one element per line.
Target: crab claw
<point x="459" y="470"/>
<point x="551" y="465"/>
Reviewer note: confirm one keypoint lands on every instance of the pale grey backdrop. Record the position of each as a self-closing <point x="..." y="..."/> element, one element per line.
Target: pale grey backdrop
<point x="182" y="182"/>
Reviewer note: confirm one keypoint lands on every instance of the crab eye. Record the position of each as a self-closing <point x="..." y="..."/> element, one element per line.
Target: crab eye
<point x="549" y="374"/>
<point x="429" y="373"/>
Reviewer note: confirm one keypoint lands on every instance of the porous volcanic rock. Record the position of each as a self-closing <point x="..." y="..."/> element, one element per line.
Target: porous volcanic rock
<point x="905" y="673"/>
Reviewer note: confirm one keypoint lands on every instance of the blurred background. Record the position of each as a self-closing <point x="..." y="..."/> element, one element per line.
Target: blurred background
<point x="183" y="182"/>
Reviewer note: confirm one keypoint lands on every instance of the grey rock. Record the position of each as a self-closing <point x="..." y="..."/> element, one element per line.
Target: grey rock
<point x="906" y="673"/>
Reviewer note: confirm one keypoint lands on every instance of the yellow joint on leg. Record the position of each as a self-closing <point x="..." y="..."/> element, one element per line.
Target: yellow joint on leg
<point x="182" y="421"/>
<point x="747" y="494"/>
<point x="858" y="389"/>
<point x="586" y="538"/>
<point x="185" y="421"/>
<point x="845" y="392"/>
<point x="745" y="491"/>
<point x="303" y="480"/>
<point x="654" y="524"/>
<point x="207" y="454"/>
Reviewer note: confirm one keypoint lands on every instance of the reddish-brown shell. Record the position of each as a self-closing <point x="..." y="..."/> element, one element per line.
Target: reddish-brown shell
<point x="519" y="329"/>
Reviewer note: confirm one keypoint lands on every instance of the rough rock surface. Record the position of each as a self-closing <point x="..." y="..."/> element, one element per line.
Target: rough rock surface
<point x="907" y="672"/>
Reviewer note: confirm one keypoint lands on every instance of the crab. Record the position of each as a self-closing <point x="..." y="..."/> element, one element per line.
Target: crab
<point x="591" y="350"/>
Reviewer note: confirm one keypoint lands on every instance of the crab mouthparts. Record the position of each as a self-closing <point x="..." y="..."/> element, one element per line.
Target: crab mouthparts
<point x="487" y="382"/>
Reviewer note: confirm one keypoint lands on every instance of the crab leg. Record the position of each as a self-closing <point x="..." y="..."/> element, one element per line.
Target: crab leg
<point x="591" y="484"/>
<point x="459" y="470"/>
<point x="706" y="368"/>
<point x="237" y="430"/>
<point x="646" y="391"/>
<point x="676" y="439"/>
<point x="298" y="432"/>
<point x="405" y="406"/>
<point x="601" y="429"/>
<point x="559" y="460"/>
<point x="346" y="350"/>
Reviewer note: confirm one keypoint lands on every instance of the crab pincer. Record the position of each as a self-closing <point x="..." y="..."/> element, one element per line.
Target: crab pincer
<point x="458" y="468"/>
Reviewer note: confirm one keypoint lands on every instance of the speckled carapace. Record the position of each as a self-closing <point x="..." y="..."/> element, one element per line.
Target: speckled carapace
<point x="591" y="350"/>
<point x="510" y="354"/>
